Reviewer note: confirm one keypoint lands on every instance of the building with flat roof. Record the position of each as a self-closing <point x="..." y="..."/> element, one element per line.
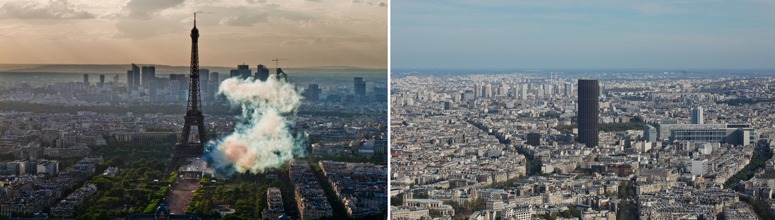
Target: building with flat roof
<point x="274" y="204"/>
<point x="698" y="116"/>
<point x="736" y="134"/>
<point x="436" y="207"/>
<point x="409" y="213"/>
<point x="534" y="139"/>
<point x="588" y="112"/>
<point x="649" y="133"/>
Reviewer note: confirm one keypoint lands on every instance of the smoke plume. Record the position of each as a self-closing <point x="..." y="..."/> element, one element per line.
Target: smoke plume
<point x="262" y="139"/>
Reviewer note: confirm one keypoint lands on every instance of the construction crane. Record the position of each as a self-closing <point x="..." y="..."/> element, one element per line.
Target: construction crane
<point x="276" y="62"/>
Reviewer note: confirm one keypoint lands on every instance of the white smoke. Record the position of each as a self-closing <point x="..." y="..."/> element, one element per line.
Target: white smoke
<point x="262" y="139"/>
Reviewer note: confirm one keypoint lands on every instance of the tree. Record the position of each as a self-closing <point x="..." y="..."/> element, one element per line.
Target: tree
<point x="244" y="187"/>
<point x="397" y="200"/>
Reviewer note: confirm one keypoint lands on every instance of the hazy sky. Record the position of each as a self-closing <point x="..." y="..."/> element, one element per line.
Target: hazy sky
<point x="305" y="32"/>
<point x="583" y="34"/>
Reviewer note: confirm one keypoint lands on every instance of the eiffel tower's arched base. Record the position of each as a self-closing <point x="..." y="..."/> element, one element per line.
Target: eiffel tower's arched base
<point x="181" y="152"/>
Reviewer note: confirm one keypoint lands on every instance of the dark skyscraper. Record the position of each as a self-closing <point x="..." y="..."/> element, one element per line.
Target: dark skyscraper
<point x="135" y="76"/>
<point x="244" y="71"/>
<point x="152" y="86"/>
<point x="102" y="80"/>
<point x="130" y="82"/>
<point x="313" y="92"/>
<point x="148" y="74"/>
<point x="588" y="108"/>
<point x="214" y="77"/>
<point x="213" y="84"/>
<point x="262" y="73"/>
<point x="174" y="87"/>
<point x="204" y="78"/>
<point x="534" y="139"/>
<point x="360" y="86"/>
<point x="85" y="79"/>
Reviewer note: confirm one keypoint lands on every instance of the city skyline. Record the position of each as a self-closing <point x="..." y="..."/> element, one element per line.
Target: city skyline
<point x="598" y="34"/>
<point x="305" y="33"/>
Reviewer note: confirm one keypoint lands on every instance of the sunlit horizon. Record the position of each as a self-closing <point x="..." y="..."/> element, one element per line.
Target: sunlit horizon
<point x="302" y="33"/>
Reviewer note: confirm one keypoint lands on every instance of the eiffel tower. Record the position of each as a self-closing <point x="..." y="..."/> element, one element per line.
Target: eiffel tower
<point x="191" y="145"/>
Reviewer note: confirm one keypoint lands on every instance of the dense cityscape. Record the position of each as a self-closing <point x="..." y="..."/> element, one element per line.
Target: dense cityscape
<point x="178" y="109"/>
<point x="588" y="145"/>
<point x="387" y="109"/>
<point x="66" y="161"/>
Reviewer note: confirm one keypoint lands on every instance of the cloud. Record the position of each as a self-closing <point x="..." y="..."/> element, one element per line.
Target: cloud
<point x="55" y="9"/>
<point x="143" y="19"/>
<point x="261" y="14"/>
<point x="245" y="19"/>
<point x="327" y="40"/>
<point x="370" y="3"/>
<point x="147" y="28"/>
<point x="299" y="42"/>
<point x="145" y="9"/>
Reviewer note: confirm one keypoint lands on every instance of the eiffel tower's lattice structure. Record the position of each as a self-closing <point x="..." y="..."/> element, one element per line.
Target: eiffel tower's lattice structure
<point x="191" y="145"/>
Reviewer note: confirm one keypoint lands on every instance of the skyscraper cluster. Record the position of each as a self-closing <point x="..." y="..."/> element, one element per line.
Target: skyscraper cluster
<point x="100" y="84"/>
<point x="143" y="83"/>
<point x="140" y="78"/>
<point x="242" y="71"/>
<point x="312" y="93"/>
<point x="522" y="90"/>
<point x="262" y="72"/>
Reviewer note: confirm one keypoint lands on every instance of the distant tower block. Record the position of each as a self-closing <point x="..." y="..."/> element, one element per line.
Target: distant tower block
<point x="213" y="84"/>
<point x="359" y="86"/>
<point x="136" y="77"/>
<point x="204" y="78"/>
<point x="588" y="110"/>
<point x="698" y="116"/>
<point x="313" y="92"/>
<point x="148" y="75"/>
<point x="130" y="83"/>
<point x="262" y="73"/>
<point x="534" y="139"/>
<point x="243" y="71"/>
